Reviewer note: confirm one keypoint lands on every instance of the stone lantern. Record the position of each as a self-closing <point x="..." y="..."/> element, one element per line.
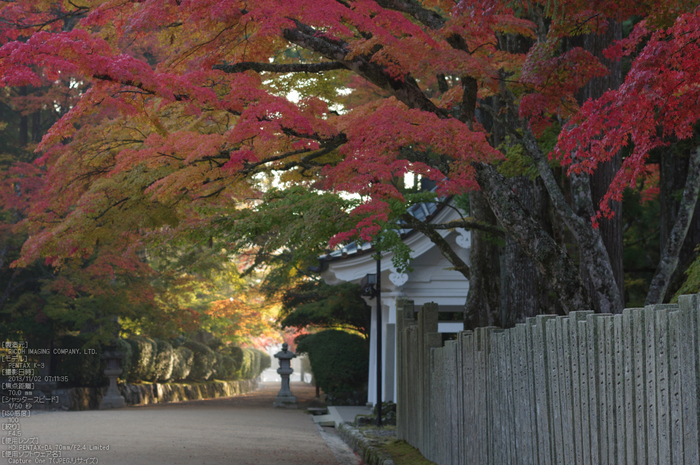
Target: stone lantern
<point x="285" y="399"/>
<point x="112" y="398"/>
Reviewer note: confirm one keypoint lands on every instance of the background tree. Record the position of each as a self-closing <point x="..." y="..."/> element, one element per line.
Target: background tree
<point x="316" y="304"/>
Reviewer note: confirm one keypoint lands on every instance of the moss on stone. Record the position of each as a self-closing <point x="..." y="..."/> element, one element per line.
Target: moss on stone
<point x="403" y="453"/>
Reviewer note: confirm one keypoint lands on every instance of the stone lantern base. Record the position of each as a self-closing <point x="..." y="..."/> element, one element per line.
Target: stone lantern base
<point x="112" y="398"/>
<point x="285" y="402"/>
<point x="109" y="402"/>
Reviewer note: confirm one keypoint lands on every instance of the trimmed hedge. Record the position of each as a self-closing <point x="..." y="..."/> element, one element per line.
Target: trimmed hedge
<point x="155" y="360"/>
<point x="143" y="359"/>
<point x="266" y="361"/>
<point x="339" y="360"/>
<point x="183" y="359"/>
<point x="225" y="367"/>
<point x="218" y="365"/>
<point x="257" y="358"/>
<point x="163" y="368"/>
<point x="236" y="354"/>
<point x="254" y="361"/>
<point x="204" y="360"/>
<point x="246" y="370"/>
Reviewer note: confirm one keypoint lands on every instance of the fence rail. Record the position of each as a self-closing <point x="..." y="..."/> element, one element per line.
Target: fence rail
<point x="591" y="389"/>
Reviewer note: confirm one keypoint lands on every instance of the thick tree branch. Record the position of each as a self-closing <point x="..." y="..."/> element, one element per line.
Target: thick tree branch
<point x="672" y="248"/>
<point x="67" y="16"/>
<point x="441" y="243"/>
<point x="116" y="204"/>
<point x="442" y="83"/>
<point x="280" y="68"/>
<point x="328" y="147"/>
<point x="430" y="18"/>
<point x="470" y="87"/>
<point x="551" y="260"/>
<point x="405" y="88"/>
<point x="138" y="85"/>
<point x="594" y="256"/>
<point x="529" y="142"/>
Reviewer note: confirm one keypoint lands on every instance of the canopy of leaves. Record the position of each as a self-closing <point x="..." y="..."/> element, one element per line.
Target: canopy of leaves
<point x="178" y="125"/>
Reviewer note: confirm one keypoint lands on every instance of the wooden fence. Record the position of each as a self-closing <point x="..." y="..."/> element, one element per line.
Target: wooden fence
<point x="587" y="388"/>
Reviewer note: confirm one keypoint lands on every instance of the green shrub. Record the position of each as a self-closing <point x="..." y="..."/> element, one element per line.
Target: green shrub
<point x="218" y="365"/>
<point x="225" y="367"/>
<point x="143" y="360"/>
<point x="178" y="341"/>
<point x="82" y="369"/>
<point x="203" y="364"/>
<point x="236" y="354"/>
<point x="262" y="361"/>
<point x="255" y="371"/>
<point x="127" y="354"/>
<point x="183" y="359"/>
<point x="215" y="344"/>
<point x="266" y="361"/>
<point x="253" y="362"/>
<point x="339" y="360"/>
<point x="230" y="367"/>
<point x="246" y="371"/>
<point x="164" y="361"/>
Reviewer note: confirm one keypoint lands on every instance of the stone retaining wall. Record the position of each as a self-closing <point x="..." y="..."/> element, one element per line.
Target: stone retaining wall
<point x="138" y="394"/>
<point x="581" y="389"/>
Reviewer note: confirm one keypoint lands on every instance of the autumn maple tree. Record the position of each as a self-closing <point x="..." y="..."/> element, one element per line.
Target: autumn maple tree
<point x="187" y="122"/>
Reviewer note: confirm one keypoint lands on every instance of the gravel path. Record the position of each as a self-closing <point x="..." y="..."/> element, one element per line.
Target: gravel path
<point x="235" y="430"/>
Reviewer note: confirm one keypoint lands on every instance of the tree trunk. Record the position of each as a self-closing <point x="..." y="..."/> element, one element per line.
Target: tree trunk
<point x="483" y="300"/>
<point x="520" y="289"/>
<point x="559" y="271"/>
<point x="610" y="229"/>
<point x="674" y="243"/>
<point x="519" y="278"/>
<point x="593" y="255"/>
<point x="37" y="133"/>
<point x="542" y="212"/>
<point x="23" y="122"/>
<point x="673" y="173"/>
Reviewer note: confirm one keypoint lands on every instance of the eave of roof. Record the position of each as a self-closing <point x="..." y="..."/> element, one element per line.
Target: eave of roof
<point x="424" y="212"/>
